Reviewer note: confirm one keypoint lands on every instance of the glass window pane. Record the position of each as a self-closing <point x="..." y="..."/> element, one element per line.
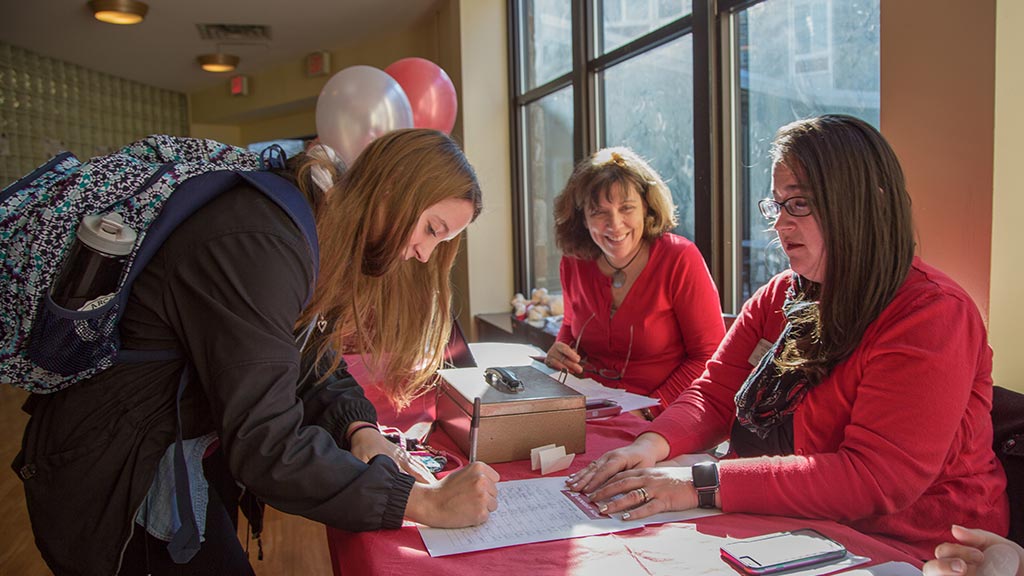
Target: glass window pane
<point x="546" y="41"/>
<point x="797" y="58"/>
<point x="622" y="21"/>
<point x="549" y="162"/>
<point x="648" y="106"/>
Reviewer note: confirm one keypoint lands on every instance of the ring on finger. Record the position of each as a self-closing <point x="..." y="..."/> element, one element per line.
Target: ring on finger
<point x="644" y="496"/>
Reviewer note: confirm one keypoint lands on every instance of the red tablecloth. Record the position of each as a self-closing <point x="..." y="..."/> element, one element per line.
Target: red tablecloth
<point x="651" y="550"/>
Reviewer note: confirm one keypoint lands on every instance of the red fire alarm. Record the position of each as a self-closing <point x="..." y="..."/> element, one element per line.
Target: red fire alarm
<point x="239" y="85"/>
<point x="318" y="63"/>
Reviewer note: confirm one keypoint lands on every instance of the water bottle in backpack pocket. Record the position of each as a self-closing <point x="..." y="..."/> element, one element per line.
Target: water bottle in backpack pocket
<point x="89" y="276"/>
<point x="76" y="325"/>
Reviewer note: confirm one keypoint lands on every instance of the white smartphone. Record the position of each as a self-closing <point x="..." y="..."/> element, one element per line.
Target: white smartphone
<point x="782" y="551"/>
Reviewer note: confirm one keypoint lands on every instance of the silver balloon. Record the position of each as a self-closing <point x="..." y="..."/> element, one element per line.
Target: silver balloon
<point x="358" y="105"/>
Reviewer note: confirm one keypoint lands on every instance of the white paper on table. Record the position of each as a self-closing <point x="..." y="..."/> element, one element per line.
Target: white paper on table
<point x="594" y="390"/>
<point x="683" y="549"/>
<point x="537" y="510"/>
<point x="488" y="354"/>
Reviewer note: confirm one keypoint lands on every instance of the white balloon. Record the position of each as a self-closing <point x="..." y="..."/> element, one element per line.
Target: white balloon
<point x="358" y="105"/>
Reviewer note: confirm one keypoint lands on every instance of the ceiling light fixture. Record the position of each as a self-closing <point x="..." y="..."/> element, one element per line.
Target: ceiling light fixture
<point x="218" y="62"/>
<point x="118" y="11"/>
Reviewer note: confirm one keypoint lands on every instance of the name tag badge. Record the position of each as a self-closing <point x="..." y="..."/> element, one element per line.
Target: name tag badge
<point x="760" y="350"/>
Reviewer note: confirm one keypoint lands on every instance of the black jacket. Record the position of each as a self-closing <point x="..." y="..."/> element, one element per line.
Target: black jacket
<point x="225" y="289"/>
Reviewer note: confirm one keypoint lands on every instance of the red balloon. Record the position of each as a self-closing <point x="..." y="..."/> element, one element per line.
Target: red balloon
<point x="430" y="91"/>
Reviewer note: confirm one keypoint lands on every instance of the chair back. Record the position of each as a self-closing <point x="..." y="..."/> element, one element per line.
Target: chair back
<point x="457" y="352"/>
<point x="1008" y="443"/>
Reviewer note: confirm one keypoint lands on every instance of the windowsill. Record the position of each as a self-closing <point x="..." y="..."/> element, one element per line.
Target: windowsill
<point x="503" y="327"/>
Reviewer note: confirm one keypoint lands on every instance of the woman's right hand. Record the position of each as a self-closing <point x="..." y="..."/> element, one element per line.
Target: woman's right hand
<point x="561" y="356"/>
<point x="463" y="498"/>
<point x="644" y="452"/>
<point x="979" y="553"/>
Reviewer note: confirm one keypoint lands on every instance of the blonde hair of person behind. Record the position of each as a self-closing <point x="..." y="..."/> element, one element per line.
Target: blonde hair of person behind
<point x="595" y="178"/>
<point x="859" y="197"/>
<point x="396" y="313"/>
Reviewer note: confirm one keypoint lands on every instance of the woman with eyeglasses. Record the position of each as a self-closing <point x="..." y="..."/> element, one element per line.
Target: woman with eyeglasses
<point x="854" y="387"/>
<point x="641" y="310"/>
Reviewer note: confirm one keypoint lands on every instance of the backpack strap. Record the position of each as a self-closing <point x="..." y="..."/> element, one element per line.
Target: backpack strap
<point x="283" y="193"/>
<point x="274" y="157"/>
<point x="186" y="541"/>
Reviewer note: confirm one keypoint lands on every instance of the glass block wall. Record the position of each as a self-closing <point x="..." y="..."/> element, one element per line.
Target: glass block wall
<point x="48" y="106"/>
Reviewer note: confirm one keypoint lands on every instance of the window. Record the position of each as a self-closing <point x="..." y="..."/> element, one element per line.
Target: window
<point x="548" y="127"/>
<point x="622" y="21"/>
<point x="547" y="41"/>
<point x="795" y="58"/>
<point x="698" y="93"/>
<point x="648" y="106"/>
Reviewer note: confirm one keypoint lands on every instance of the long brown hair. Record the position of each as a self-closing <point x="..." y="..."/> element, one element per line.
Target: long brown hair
<point x="396" y="313"/>
<point x="595" y="178"/>
<point x="860" y="200"/>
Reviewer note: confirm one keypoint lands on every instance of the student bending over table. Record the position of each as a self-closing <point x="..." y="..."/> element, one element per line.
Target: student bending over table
<point x="227" y="290"/>
<point x="641" y="310"/>
<point x="854" y="387"/>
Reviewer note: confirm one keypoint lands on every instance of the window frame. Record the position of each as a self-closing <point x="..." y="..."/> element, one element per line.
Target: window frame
<point x="711" y="25"/>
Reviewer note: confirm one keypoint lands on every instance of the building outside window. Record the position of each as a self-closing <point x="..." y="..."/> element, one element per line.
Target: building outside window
<point x="699" y="94"/>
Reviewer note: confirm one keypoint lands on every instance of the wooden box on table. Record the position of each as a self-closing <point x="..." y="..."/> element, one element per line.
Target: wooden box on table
<point x="511" y="424"/>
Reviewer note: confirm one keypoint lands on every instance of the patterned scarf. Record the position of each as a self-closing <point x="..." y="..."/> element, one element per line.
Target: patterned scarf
<point x="769" y="395"/>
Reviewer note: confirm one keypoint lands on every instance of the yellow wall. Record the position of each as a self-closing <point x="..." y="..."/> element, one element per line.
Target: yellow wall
<point x="1006" y="313"/>
<point x="228" y="134"/>
<point x="285" y="90"/>
<point x="485" y="124"/>
<point x="938" y="86"/>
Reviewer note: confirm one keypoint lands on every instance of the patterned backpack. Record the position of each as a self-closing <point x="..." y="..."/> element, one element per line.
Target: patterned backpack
<point x="154" y="184"/>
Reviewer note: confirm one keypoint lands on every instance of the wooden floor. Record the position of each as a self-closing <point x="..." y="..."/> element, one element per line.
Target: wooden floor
<point x="291" y="545"/>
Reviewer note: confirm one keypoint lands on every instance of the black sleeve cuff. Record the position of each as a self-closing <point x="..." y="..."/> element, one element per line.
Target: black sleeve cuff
<point x="394" y="509"/>
<point x="338" y="425"/>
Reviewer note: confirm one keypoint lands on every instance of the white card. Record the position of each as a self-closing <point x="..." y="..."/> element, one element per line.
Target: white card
<point x="561" y="463"/>
<point x="760" y="350"/>
<point x="548" y="455"/>
<point x="535" y="455"/>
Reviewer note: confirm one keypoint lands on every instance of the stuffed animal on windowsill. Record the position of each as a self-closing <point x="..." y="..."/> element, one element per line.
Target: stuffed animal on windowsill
<point x="539" y="308"/>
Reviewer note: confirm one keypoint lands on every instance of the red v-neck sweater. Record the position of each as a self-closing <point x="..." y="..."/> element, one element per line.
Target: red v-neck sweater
<point x="672" y="310"/>
<point x="896" y="441"/>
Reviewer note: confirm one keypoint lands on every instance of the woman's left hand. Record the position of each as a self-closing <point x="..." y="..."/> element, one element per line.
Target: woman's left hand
<point x="369" y="442"/>
<point x="650" y="490"/>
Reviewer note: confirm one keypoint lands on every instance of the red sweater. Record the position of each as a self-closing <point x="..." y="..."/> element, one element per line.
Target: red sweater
<point x="896" y="441"/>
<point x="672" y="308"/>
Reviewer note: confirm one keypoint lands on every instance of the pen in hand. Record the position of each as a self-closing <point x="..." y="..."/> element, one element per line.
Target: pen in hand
<point x="563" y="374"/>
<point x="474" y="429"/>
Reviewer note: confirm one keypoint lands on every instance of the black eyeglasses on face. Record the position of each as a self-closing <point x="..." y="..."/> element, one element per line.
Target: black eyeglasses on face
<point x="606" y="373"/>
<point x="798" y="206"/>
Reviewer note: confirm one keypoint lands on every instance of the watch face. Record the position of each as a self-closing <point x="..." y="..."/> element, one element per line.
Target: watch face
<point x="705" y="480"/>
<point x="705" y="475"/>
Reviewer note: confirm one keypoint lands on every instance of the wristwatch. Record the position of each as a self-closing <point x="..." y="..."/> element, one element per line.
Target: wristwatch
<point x="705" y="480"/>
